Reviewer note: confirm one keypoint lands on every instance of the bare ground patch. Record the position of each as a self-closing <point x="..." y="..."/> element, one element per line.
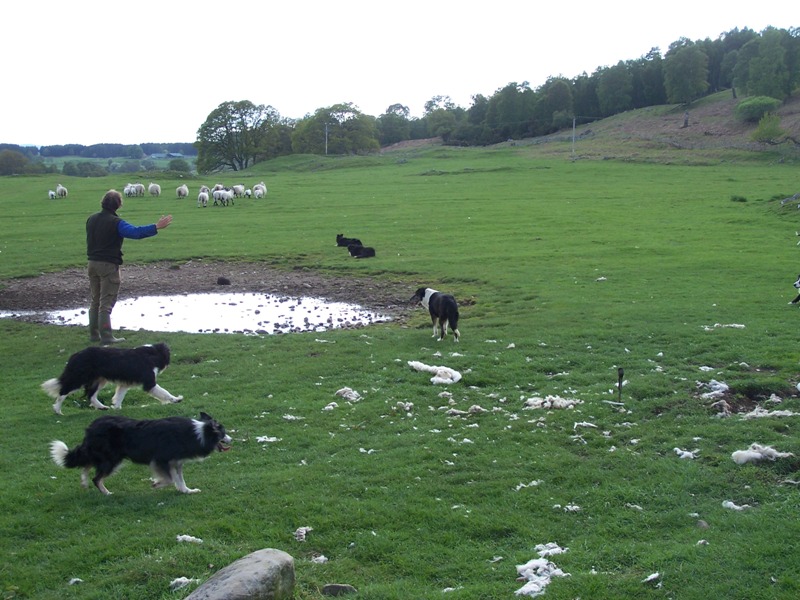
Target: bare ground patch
<point x="70" y="288"/>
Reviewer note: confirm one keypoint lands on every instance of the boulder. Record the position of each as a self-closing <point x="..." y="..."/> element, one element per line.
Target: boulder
<point x="266" y="574"/>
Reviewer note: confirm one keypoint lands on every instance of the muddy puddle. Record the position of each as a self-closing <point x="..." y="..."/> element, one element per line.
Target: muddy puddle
<point x="243" y="313"/>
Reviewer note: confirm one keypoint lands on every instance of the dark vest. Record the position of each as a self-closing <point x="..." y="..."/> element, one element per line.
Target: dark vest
<point x="103" y="242"/>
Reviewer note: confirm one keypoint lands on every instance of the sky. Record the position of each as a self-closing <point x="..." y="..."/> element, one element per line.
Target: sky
<point x="140" y="71"/>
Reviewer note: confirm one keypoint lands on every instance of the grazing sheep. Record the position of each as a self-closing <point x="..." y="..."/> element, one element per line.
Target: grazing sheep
<point x="138" y="189"/>
<point x="61" y="191"/>
<point x="182" y="191"/>
<point x="154" y="189"/>
<point x="223" y="197"/>
<point x="51" y="194"/>
<point x="202" y="199"/>
<point x="238" y="190"/>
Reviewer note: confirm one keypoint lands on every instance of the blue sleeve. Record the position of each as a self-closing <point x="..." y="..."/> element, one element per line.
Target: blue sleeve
<point x="132" y="232"/>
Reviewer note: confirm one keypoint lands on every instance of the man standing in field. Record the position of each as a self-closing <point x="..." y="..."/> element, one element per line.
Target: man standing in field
<point x="105" y="232"/>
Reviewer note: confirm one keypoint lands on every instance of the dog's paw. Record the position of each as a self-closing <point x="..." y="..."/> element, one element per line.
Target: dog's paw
<point x="177" y="399"/>
<point x="189" y="490"/>
<point x="57" y="409"/>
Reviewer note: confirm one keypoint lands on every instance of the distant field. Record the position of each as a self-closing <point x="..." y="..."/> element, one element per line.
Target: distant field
<point x="566" y="269"/>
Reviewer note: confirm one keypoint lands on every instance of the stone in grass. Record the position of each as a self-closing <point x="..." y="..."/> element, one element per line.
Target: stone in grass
<point x="338" y="589"/>
<point x="266" y="573"/>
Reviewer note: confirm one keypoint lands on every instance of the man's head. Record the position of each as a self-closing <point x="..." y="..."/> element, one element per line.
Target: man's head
<point x="112" y="200"/>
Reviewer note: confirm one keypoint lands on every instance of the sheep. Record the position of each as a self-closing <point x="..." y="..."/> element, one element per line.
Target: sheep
<point x="182" y="191"/>
<point x="223" y="197"/>
<point x="61" y="191"/>
<point x="248" y="192"/>
<point x="204" y="188"/>
<point x="128" y="190"/>
<point x="217" y="187"/>
<point x="202" y="199"/>
<point x="154" y="189"/>
<point x="260" y="187"/>
<point x="238" y="190"/>
<point x="138" y="189"/>
<point x="51" y="194"/>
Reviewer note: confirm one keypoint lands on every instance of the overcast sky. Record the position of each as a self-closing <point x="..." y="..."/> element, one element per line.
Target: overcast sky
<point x="91" y="71"/>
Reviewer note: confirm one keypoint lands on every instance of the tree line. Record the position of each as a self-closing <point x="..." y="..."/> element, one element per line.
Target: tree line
<point x="236" y="135"/>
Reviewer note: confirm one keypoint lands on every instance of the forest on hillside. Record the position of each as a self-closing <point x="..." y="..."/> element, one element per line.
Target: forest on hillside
<point x="238" y="134"/>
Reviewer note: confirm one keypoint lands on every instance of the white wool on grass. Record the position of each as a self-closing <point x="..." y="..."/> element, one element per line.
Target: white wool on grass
<point x="301" y="532"/>
<point x="266" y="439"/>
<point x="686" y="454"/>
<point x="733" y="506"/>
<point x="441" y="375"/>
<point x="550" y="402"/>
<point x="534" y="483"/>
<point x="330" y="406"/>
<point x="756" y="453"/>
<point x="758" y="413"/>
<point x="651" y="577"/>
<point x="181" y="582"/>
<point x="188" y="538"/>
<point x="348" y="394"/>
<point x="718" y="389"/>
<point x="320" y="560"/>
<point x="538" y="572"/>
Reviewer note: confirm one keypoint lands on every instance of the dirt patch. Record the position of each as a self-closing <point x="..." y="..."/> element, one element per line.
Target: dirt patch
<point x="70" y="289"/>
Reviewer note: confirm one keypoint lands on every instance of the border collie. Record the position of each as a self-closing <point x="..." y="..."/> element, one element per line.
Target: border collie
<point x="164" y="444"/>
<point x="443" y="309"/>
<point x="797" y="286"/>
<point x="359" y="251"/>
<point x="344" y="242"/>
<point x="93" y="367"/>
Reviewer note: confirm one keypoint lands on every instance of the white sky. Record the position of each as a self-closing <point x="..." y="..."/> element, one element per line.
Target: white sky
<point x="91" y="71"/>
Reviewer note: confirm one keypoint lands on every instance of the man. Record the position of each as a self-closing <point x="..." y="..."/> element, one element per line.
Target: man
<point x="105" y="232"/>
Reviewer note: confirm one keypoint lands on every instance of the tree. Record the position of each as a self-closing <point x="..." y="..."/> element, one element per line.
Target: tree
<point x="615" y="89"/>
<point x="768" y="73"/>
<point x="685" y="74"/>
<point x="180" y="165"/>
<point x="232" y="134"/>
<point x="393" y="125"/>
<point x="337" y="129"/>
<point x="12" y="162"/>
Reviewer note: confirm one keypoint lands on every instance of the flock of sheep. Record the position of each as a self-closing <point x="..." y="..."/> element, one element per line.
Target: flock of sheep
<point x="220" y="194"/>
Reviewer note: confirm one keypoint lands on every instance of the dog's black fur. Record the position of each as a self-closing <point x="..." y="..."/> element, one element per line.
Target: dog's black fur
<point x="93" y="367"/>
<point x="359" y="251"/>
<point x="346" y="241"/>
<point x="797" y="286"/>
<point x="443" y="310"/>
<point x="164" y="444"/>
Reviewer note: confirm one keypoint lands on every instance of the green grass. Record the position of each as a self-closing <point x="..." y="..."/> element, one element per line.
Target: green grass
<point x="566" y="270"/>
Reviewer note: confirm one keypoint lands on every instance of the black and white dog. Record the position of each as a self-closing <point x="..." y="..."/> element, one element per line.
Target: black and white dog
<point x="359" y="251"/>
<point x="443" y="309"/>
<point x="346" y="241"/>
<point x="93" y="367"/>
<point x="797" y="286"/>
<point x="164" y="444"/>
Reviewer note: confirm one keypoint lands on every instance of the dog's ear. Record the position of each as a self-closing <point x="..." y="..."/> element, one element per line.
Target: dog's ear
<point x="205" y="417"/>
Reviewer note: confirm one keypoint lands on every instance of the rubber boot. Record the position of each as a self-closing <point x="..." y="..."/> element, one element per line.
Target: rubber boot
<point x="106" y="333"/>
<point x="94" y="327"/>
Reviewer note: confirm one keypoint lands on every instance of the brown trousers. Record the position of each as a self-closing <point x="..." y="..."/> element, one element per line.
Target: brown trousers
<point x="104" y="282"/>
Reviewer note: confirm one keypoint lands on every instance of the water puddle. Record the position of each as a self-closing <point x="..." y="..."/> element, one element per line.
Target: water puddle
<point x="247" y="313"/>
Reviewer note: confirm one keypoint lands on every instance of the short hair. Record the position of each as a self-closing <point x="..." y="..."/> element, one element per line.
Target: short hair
<point x="112" y="200"/>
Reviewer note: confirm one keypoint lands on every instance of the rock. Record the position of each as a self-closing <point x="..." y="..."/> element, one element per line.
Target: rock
<point x="223" y="281"/>
<point x="338" y="589"/>
<point x="266" y="574"/>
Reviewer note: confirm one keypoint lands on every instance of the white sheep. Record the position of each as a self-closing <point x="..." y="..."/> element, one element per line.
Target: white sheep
<point x="204" y="188"/>
<point x="182" y="191"/>
<point x="138" y="189"/>
<point x="51" y="194"/>
<point x="258" y="192"/>
<point x="238" y="190"/>
<point x="202" y="199"/>
<point x="61" y="191"/>
<point x="218" y="187"/>
<point x="154" y="189"/>
<point x="248" y="192"/>
<point x="223" y="197"/>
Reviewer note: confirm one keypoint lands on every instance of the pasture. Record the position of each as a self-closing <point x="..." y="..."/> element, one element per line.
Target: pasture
<point x="565" y="270"/>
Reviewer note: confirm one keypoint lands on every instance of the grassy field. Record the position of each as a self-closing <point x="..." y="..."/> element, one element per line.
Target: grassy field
<point x="566" y="270"/>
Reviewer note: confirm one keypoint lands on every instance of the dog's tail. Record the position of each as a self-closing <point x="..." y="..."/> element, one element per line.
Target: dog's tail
<point x="52" y="388"/>
<point x="69" y="459"/>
